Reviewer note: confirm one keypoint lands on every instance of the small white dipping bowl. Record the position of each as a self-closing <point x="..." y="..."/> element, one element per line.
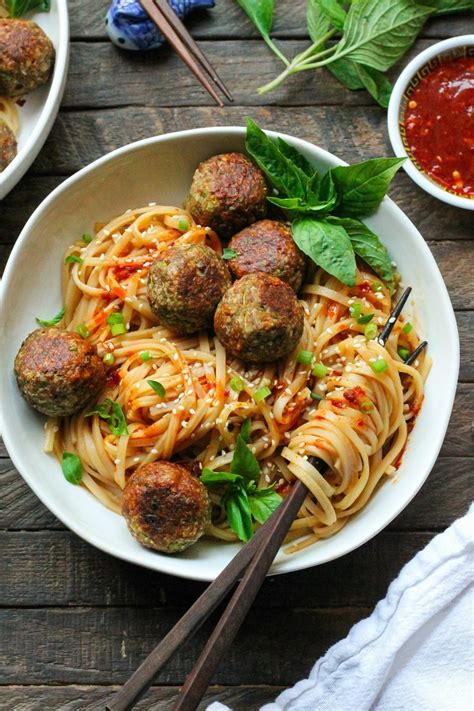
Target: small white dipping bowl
<point x="410" y="77"/>
<point x="159" y="170"/>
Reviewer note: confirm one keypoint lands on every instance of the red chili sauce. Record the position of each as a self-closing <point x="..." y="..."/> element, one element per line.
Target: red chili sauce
<point x="439" y="124"/>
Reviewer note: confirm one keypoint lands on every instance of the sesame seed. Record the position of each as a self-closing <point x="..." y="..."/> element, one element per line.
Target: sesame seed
<point x="379" y="296"/>
<point x="116" y="461"/>
<point x="136" y="459"/>
<point x="154" y="451"/>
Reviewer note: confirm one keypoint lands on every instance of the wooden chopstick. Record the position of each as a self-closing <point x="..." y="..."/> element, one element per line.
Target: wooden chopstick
<point x="256" y="556"/>
<point x="189" y="40"/>
<point x="164" y="25"/>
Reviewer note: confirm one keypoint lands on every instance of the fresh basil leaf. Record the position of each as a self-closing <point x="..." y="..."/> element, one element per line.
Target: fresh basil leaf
<point x="244" y="461"/>
<point x="328" y="245"/>
<point x="444" y="6"/>
<point x="52" y="321"/>
<point x="296" y="157"/>
<point x="229" y="253"/>
<point x="362" y="186"/>
<point x="368" y="247"/>
<point x="73" y="258"/>
<point x="72" y="467"/>
<point x="245" y="430"/>
<point x="280" y="171"/>
<point x="345" y="71"/>
<point x="260" y="13"/>
<point x="239" y="514"/>
<point x="376" y="84"/>
<point x="263" y="503"/>
<point x="327" y="192"/>
<point x="294" y="207"/>
<point x="334" y="12"/>
<point x="317" y="21"/>
<point x="113" y="414"/>
<point x="17" y="8"/>
<point x="157" y="387"/>
<point x="209" y="476"/>
<point x="378" y="32"/>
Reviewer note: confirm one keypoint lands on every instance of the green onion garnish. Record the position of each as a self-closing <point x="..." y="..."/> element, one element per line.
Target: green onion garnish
<point x="370" y="331"/>
<point x="237" y="384"/>
<point x="407" y="327"/>
<point x="355" y="310"/>
<point x="316" y="396"/>
<point x="73" y="258"/>
<point x="117" y="324"/>
<point x="320" y="370"/>
<point x="367" y="318"/>
<point x="117" y="329"/>
<point x="183" y="225"/>
<point x="51" y="321"/>
<point x="87" y="238"/>
<point x="366" y="406"/>
<point x="145" y="355"/>
<point x="377" y="286"/>
<point x="72" y="467"/>
<point x="109" y="359"/>
<point x="157" y="387"/>
<point x="305" y="357"/>
<point x="115" y="318"/>
<point x="229" y="253"/>
<point x="262" y="393"/>
<point x="379" y="365"/>
<point x="83" y="331"/>
<point x="403" y="352"/>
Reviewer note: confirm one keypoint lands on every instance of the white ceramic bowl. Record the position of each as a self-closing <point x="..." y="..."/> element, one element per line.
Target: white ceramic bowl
<point x="160" y="169"/>
<point x="450" y="48"/>
<point x="39" y="111"/>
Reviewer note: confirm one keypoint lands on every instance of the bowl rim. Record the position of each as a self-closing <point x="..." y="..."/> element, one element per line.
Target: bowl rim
<point x="393" y="123"/>
<point x="23" y="160"/>
<point x="165" y="564"/>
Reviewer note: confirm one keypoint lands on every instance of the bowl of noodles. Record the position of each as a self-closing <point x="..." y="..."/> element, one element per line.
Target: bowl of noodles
<point x="379" y="429"/>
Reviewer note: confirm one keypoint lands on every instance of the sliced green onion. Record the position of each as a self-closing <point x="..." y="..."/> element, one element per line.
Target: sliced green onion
<point x="367" y="405"/>
<point x="237" y="384"/>
<point x="379" y="365"/>
<point x="115" y="318"/>
<point x="183" y="225"/>
<point x="72" y="467"/>
<point x="117" y="329"/>
<point x="83" y="331"/>
<point x="403" y="352"/>
<point x="320" y="370"/>
<point x="407" y="327"/>
<point x="377" y="286"/>
<point x="145" y="355"/>
<point x="116" y="323"/>
<point x="87" y="238"/>
<point x="262" y="393"/>
<point x="370" y="331"/>
<point x="109" y="359"/>
<point x="367" y="318"/>
<point x="305" y="357"/>
<point x="73" y="258"/>
<point x="355" y="310"/>
<point x="316" y="396"/>
<point x="157" y="387"/>
<point x="229" y="253"/>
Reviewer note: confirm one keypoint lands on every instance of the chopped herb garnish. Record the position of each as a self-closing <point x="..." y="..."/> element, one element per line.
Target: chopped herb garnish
<point x="109" y="359"/>
<point x="229" y="253"/>
<point x="316" y="396"/>
<point x="72" y="467"/>
<point x="117" y="329"/>
<point x="370" y="331"/>
<point x="305" y="357"/>
<point x="117" y="324"/>
<point x="367" y="318"/>
<point x="73" y="258"/>
<point x="157" y="387"/>
<point x="87" y="238"/>
<point x="237" y="384"/>
<point x="355" y="310"/>
<point x="407" y="327"/>
<point x="262" y="393"/>
<point x="145" y="355"/>
<point x="112" y="413"/>
<point x="379" y="365"/>
<point x="183" y="225"/>
<point x="115" y="318"/>
<point x="52" y="321"/>
<point x="83" y="331"/>
<point x="403" y="352"/>
<point x="377" y="286"/>
<point x="366" y="406"/>
<point x="320" y="370"/>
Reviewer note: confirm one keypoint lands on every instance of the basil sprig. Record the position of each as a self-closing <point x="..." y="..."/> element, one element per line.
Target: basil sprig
<point x="72" y="467"/>
<point x="17" y="8"/>
<point x="324" y="209"/>
<point x="112" y="413"/>
<point x="242" y="499"/>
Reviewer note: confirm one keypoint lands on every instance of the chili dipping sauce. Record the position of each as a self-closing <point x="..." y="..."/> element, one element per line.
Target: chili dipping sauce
<point x="439" y="125"/>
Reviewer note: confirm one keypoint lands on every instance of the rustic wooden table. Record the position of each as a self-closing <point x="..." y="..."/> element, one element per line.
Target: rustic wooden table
<point x="75" y="622"/>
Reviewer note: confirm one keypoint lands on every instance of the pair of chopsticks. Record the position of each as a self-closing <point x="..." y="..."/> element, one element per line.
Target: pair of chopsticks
<point x="252" y="562"/>
<point x="178" y="36"/>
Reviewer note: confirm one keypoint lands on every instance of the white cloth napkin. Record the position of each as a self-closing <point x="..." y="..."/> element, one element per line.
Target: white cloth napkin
<point x="415" y="652"/>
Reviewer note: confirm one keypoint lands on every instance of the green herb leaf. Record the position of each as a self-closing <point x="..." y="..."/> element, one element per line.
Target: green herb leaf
<point x="245" y="430"/>
<point x="378" y="32"/>
<point x="17" y="8"/>
<point x="209" y="476"/>
<point x="115" y="319"/>
<point x="72" y="467"/>
<point x="296" y="158"/>
<point x="334" y="12"/>
<point x="244" y="461"/>
<point x="295" y="207"/>
<point x="263" y="503"/>
<point x="111" y="412"/>
<point x="157" y="387"/>
<point x="345" y="71"/>
<point x="362" y="186"/>
<point x="317" y="21"/>
<point x="376" y="84"/>
<point x="229" y="253"/>
<point x="52" y="321"/>
<point x="239" y="514"/>
<point x="328" y="245"/>
<point x="260" y="13"/>
<point x="73" y="258"/>
<point x="444" y="6"/>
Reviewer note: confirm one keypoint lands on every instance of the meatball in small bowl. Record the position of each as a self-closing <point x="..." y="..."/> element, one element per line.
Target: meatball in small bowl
<point x="227" y="193"/>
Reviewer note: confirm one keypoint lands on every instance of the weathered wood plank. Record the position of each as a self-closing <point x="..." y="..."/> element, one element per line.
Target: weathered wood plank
<point x="465" y="321"/>
<point x="94" y="646"/>
<point x="78" y="698"/>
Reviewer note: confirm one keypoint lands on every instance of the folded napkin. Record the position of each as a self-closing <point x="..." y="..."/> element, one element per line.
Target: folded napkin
<point x="414" y="652"/>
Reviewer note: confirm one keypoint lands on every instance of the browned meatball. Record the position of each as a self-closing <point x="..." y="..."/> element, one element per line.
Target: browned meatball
<point x="228" y="192"/>
<point x="7" y="145"/>
<point x="259" y="319"/>
<point x="58" y="372"/>
<point x="185" y="284"/>
<point x="166" y="507"/>
<point x="26" y="57"/>
<point x="267" y="246"/>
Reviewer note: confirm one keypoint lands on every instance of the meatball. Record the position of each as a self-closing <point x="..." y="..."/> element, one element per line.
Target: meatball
<point x="26" y="57"/>
<point x="185" y="284"/>
<point x="228" y="192"/>
<point x="259" y="319"/>
<point x="58" y="372"/>
<point x="267" y="246"/>
<point x="166" y="507"/>
<point x="7" y="145"/>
